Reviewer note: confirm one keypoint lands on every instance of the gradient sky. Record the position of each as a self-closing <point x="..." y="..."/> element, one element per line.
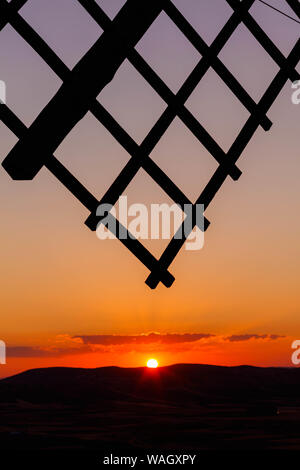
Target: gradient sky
<point x="60" y="285"/>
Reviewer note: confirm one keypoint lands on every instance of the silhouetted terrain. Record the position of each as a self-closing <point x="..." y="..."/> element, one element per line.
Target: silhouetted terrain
<point x="183" y="406"/>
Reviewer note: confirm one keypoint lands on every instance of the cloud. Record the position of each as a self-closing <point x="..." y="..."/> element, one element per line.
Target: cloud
<point x="66" y="345"/>
<point x="149" y="338"/>
<point x="247" y="337"/>
<point x="26" y="351"/>
<point x="57" y="348"/>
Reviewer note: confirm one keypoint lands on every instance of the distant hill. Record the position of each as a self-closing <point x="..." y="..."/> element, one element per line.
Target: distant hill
<point x="181" y="383"/>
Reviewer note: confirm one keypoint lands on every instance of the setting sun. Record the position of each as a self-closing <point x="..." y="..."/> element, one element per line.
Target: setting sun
<point x="152" y="363"/>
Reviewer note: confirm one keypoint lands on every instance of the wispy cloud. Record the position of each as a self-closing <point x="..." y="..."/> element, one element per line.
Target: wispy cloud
<point x="26" y="351"/>
<point x="33" y="351"/>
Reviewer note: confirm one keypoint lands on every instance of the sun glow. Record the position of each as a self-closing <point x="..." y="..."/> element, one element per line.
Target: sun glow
<point x="152" y="363"/>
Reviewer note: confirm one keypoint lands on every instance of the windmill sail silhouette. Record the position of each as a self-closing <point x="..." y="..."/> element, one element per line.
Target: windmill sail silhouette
<point x="37" y="144"/>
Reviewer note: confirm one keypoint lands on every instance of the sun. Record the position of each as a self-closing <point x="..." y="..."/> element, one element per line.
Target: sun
<point x="152" y="363"/>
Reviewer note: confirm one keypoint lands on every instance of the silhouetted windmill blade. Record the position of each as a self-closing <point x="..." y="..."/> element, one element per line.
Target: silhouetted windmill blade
<point x="295" y="5"/>
<point x="213" y="60"/>
<point x="234" y="153"/>
<point x="87" y="199"/>
<point x="61" y="115"/>
<point x="8" y="9"/>
<point x="264" y="40"/>
<point x="83" y="85"/>
<point x="62" y="71"/>
<point x="184" y="114"/>
<point x="106" y="119"/>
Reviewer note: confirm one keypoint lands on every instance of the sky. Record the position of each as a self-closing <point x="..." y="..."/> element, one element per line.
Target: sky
<point x="68" y="298"/>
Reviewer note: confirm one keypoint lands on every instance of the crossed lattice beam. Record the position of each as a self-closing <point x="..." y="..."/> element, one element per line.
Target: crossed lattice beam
<point x="37" y="144"/>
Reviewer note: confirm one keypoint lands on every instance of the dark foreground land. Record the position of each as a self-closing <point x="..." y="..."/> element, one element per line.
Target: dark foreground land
<point x="183" y="408"/>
